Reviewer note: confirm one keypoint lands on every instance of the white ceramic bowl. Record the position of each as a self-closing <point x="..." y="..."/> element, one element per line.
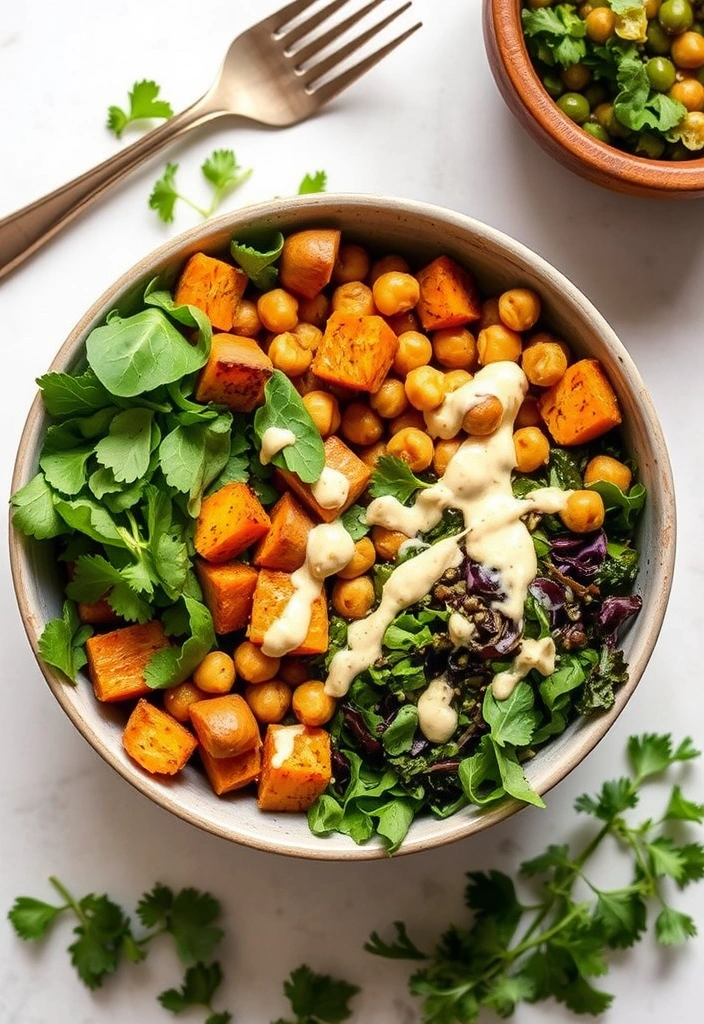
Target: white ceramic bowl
<point x="499" y="262"/>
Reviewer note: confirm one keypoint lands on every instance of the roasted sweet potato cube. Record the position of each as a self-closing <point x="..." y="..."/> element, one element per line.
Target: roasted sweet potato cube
<point x="449" y="296"/>
<point x="308" y="260"/>
<point x="97" y="613"/>
<point x="213" y="286"/>
<point x="272" y="594"/>
<point x="225" y="726"/>
<point x="229" y="521"/>
<point x="229" y="773"/>
<point x="228" y="589"/>
<point x="235" y="374"/>
<point x="582" y="405"/>
<point x="284" y="546"/>
<point x="117" y="660"/>
<point x="341" y="459"/>
<point x="156" y="741"/>
<point x="296" y="767"/>
<point x="356" y="351"/>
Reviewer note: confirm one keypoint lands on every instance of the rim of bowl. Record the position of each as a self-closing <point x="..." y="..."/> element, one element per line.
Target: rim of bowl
<point x="503" y="19"/>
<point x="590" y="731"/>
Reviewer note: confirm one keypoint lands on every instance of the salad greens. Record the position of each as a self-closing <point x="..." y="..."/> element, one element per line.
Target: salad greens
<point x="284" y="409"/>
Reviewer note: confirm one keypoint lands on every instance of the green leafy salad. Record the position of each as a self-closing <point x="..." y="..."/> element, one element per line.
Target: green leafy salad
<point x="340" y="528"/>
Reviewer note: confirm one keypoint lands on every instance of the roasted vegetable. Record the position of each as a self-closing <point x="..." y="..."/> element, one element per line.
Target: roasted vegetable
<point x="582" y="405"/>
<point x="213" y="286"/>
<point x="284" y="546"/>
<point x="448" y="295"/>
<point x="308" y="259"/>
<point x="117" y="660"/>
<point x="225" y="726"/>
<point x="156" y="741"/>
<point x="228" y="589"/>
<point x="235" y="373"/>
<point x="229" y="773"/>
<point x="341" y="459"/>
<point x="229" y="521"/>
<point x="296" y="767"/>
<point x="273" y="592"/>
<point x="356" y="351"/>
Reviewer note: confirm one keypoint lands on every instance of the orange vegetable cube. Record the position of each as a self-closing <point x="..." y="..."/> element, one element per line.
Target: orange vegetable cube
<point x="273" y="592"/>
<point x="117" y="660"/>
<point x="284" y="546"/>
<point x="449" y="296"/>
<point x="235" y="374"/>
<point x="582" y="405"/>
<point x="308" y="260"/>
<point x="229" y="773"/>
<point x="229" y="521"/>
<point x="343" y="460"/>
<point x="228" y="589"/>
<point x="97" y="613"/>
<point x="356" y="351"/>
<point x="296" y="767"/>
<point x="156" y="741"/>
<point x="213" y="286"/>
<point x="225" y="726"/>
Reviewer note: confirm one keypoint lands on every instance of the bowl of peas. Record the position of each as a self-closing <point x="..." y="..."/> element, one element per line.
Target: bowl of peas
<point x="613" y="89"/>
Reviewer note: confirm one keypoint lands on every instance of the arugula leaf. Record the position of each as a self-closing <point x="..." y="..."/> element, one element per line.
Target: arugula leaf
<point x="318" y="998"/>
<point x="143" y="104"/>
<point x="393" y="477"/>
<point x="514" y="719"/>
<point x="256" y="256"/>
<point x="316" y="182"/>
<point x="62" y="642"/>
<point x="172" y="665"/>
<point x="192" y="457"/>
<point x="283" y="407"/>
<point x="398" y="736"/>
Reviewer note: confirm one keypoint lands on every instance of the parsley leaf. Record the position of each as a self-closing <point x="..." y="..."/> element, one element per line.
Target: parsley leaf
<point x="143" y="104"/>
<point x="318" y="998"/>
<point x="316" y="182"/>
<point x="393" y="477"/>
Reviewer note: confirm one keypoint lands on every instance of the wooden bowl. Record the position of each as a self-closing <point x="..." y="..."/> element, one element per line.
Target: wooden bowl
<point x="599" y="162"/>
<point x="422" y="232"/>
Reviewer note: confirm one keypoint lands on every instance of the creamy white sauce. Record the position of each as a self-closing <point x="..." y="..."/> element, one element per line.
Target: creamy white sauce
<point x="329" y="549"/>
<point x="538" y="654"/>
<point x="460" y="630"/>
<point x="274" y="440"/>
<point x="284" y="737"/>
<point x="437" y="719"/>
<point x="407" y="584"/>
<point x="330" y="490"/>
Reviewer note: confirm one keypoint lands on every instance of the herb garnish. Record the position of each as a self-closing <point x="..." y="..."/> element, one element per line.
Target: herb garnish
<point x="393" y="477"/>
<point x="222" y="173"/>
<point x="143" y="104"/>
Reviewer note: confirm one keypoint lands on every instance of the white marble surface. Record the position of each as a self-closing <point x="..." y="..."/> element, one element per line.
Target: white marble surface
<point x="427" y="124"/>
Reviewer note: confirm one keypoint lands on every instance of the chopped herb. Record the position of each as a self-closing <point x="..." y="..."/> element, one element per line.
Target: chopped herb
<point x="143" y="104"/>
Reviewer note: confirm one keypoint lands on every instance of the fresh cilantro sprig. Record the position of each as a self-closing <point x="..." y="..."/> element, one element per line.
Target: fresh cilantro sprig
<point x="143" y="104"/>
<point x="392" y="477"/>
<point x="222" y="173"/>
<point x="316" y="182"/>
<point x="317" y="998"/>
<point x="555" y="944"/>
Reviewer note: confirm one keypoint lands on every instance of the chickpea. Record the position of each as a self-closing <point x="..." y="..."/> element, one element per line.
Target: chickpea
<point x="544" y="363"/>
<point x="355" y="298"/>
<point x="425" y="388"/>
<point x="576" y="77"/>
<point x="312" y="706"/>
<point x="390" y="400"/>
<point x="610" y="470"/>
<point x="532" y="449"/>
<point x="371" y="455"/>
<point x="386" y="265"/>
<point x="444" y="451"/>
<point x="314" y="311"/>
<point x="583" y="512"/>
<point x="490" y="313"/>
<point x="519" y="308"/>
<point x="288" y="355"/>
<point x="252" y="665"/>
<point x="497" y="343"/>
<point x="294" y="671"/>
<point x="401" y="322"/>
<point x="216" y="673"/>
<point x="651" y="8"/>
<point x="353" y="598"/>
<point x="306" y="383"/>
<point x="484" y="417"/>
<point x="269" y="701"/>
<point x="361" y="425"/>
<point x="246" y="320"/>
<point x="278" y="310"/>
<point x="178" y="700"/>
<point x="528" y="414"/>
<point x="352" y="264"/>
<point x="324" y="410"/>
<point x="307" y="335"/>
<point x="687" y="50"/>
<point x="414" y="350"/>
<point x="395" y="293"/>
<point x="600" y="24"/>
<point x="387" y="542"/>
<point x="410" y="418"/>
<point x="362" y="560"/>
<point x="689" y="92"/>
<point x="415" y="447"/>
<point x="456" y="379"/>
<point x="455" y="348"/>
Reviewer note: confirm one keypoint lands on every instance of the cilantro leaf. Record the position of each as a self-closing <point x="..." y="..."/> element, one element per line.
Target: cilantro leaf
<point x="32" y="918"/>
<point x="127" y="448"/>
<point x="191" y="922"/>
<point x="96" y="950"/>
<point x="143" y="104"/>
<point x="316" y="182"/>
<point x="354" y="521"/>
<point x="393" y="477"/>
<point x="318" y="997"/>
<point x="256" y="256"/>
<point x="164" y="194"/>
<point x="283" y="408"/>
<point x="200" y="983"/>
<point x="67" y="394"/>
<point x="401" y="948"/>
<point x="171" y="665"/>
<point x="557" y="33"/>
<point x="651" y="754"/>
<point x="155" y="906"/>
<point x="681" y="809"/>
<point x="33" y="510"/>
<point x="673" y="927"/>
<point x="63" y="640"/>
<point x="223" y="172"/>
<point x="614" y="798"/>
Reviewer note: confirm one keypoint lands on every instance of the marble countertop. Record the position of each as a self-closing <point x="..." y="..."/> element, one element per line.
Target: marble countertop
<point x="427" y="124"/>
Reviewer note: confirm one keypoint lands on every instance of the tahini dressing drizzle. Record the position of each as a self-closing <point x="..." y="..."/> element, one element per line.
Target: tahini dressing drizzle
<point x="274" y="440"/>
<point x="330" y="490"/>
<point x="284" y="741"/>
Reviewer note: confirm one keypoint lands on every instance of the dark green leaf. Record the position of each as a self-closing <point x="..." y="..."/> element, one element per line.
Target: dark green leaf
<point x="622" y="916"/>
<point x="62" y="643"/>
<point x="200" y="983"/>
<point x="401" y="948"/>
<point x="513" y="720"/>
<point x="319" y="996"/>
<point x="284" y="409"/>
<point x="392" y="477"/>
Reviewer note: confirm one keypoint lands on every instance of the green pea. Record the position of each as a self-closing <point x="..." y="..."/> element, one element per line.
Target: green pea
<point x="650" y="145"/>
<point x="553" y="84"/>
<point x="676" y="16"/>
<point x="657" y="40"/>
<point x="661" y="73"/>
<point x="575" y="106"/>
<point x="595" y="95"/>
<point x="596" y="131"/>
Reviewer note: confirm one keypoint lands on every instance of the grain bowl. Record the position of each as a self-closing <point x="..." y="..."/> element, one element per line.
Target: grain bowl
<point x="442" y="274"/>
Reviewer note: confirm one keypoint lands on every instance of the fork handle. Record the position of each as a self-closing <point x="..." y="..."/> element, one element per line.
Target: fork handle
<point x="26" y="230"/>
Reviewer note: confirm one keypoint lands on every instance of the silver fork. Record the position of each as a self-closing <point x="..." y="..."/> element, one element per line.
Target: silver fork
<point x="265" y="77"/>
